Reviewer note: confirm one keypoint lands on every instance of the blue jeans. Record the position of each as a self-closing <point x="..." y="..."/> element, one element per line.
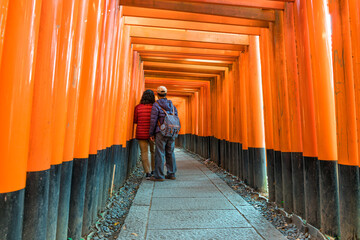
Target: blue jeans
<point x="164" y="149"/>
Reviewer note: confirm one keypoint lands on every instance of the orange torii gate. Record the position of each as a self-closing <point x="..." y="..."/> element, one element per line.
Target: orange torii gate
<point x="267" y="89"/>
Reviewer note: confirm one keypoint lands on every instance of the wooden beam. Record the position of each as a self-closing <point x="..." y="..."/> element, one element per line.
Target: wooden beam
<point x="188" y="44"/>
<point x="264" y="4"/>
<point x="199" y="26"/>
<point x="141" y="48"/>
<point x="192" y="17"/>
<point x="187" y="61"/>
<point x="178" y="73"/>
<point x="191" y="36"/>
<point x="177" y="77"/>
<point x="182" y="69"/>
<point x="204" y="8"/>
<point x="192" y="66"/>
<point x="186" y="56"/>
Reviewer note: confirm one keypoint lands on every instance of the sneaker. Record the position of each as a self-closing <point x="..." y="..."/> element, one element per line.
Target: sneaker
<point x="148" y="176"/>
<point x="157" y="179"/>
<point x="171" y="177"/>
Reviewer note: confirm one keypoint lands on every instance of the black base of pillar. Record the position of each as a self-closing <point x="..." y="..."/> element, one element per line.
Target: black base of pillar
<point x="349" y="201"/>
<point x="312" y="191"/>
<point x="240" y="161"/>
<point x="215" y="151"/>
<point x="227" y="156"/>
<point x="36" y="205"/>
<point x="117" y="160"/>
<point x="124" y="165"/>
<point x="259" y="170"/>
<point x="11" y="212"/>
<point x="245" y="154"/>
<point x="278" y="179"/>
<point x="235" y="157"/>
<point x="222" y="153"/>
<point x="270" y="155"/>
<point x="77" y="197"/>
<point x="329" y="201"/>
<point x="109" y="172"/>
<point x="64" y="200"/>
<point x="90" y="198"/>
<point x="287" y="181"/>
<point x="54" y="191"/>
<point x="298" y="183"/>
<point x="251" y="167"/>
<point x="100" y="158"/>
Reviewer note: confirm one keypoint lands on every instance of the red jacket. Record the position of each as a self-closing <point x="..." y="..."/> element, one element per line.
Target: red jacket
<point x="142" y="118"/>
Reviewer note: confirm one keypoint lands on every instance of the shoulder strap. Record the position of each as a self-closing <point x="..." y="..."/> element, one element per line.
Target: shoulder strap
<point x="162" y="108"/>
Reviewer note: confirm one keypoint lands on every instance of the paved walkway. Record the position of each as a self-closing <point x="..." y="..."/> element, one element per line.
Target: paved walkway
<point x="197" y="205"/>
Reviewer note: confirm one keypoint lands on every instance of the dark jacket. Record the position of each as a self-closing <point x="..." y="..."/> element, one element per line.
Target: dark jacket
<point x="157" y="114"/>
<point x="142" y="118"/>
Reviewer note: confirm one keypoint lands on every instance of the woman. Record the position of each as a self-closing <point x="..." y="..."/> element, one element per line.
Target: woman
<point x="142" y="119"/>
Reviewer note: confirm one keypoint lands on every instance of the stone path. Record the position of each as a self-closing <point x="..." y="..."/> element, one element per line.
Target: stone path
<point x="197" y="205"/>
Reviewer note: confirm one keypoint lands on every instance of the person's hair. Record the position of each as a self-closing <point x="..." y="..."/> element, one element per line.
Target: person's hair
<point x="161" y="95"/>
<point x="148" y="97"/>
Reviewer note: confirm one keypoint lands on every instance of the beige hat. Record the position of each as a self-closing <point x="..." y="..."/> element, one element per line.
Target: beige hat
<point x="161" y="90"/>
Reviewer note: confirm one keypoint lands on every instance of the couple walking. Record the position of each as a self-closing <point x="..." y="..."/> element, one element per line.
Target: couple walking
<point x="150" y="119"/>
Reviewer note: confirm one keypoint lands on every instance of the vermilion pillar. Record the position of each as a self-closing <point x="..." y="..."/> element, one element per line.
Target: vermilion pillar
<point x="83" y="176"/>
<point x="294" y="112"/>
<point x="3" y="12"/>
<point x="345" y="120"/>
<point x="244" y="63"/>
<point x="283" y="111"/>
<point x="310" y="153"/>
<point x="39" y="175"/>
<point x="257" y="135"/>
<point x="60" y="107"/>
<point x="276" y="121"/>
<point x="72" y="113"/>
<point x="266" y="67"/>
<point x="16" y="92"/>
<point x="324" y="115"/>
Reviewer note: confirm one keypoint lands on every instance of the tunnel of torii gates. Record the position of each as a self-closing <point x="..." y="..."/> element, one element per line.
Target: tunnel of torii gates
<point x="268" y="90"/>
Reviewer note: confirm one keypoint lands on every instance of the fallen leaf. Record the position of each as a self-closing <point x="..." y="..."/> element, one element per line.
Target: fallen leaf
<point x="124" y="227"/>
<point x="134" y="234"/>
<point x="117" y="223"/>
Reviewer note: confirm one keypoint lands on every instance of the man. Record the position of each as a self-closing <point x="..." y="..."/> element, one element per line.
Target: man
<point x="164" y="145"/>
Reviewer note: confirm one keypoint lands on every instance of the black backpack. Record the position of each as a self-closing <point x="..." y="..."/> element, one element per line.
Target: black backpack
<point x="171" y="125"/>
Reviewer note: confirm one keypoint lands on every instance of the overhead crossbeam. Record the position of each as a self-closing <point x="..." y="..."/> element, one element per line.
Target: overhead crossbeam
<point x="175" y="73"/>
<point x="187" y="61"/>
<point x="205" y="8"/>
<point x="194" y="17"/>
<point x="264" y="4"/>
<point x="185" y="35"/>
<point x="142" y="48"/>
<point x="199" y="26"/>
<point x="189" y="44"/>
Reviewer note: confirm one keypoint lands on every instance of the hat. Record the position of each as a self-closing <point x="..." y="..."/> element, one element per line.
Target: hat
<point x="161" y="90"/>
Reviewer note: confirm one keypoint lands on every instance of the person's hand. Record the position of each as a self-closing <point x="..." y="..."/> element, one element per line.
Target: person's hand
<point x="152" y="138"/>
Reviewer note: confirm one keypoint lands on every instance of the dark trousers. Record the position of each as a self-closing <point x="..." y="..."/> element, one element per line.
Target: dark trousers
<point x="164" y="151"/>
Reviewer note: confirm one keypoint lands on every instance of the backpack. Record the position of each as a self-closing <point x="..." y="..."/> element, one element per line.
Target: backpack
<point x="171" y="125"/>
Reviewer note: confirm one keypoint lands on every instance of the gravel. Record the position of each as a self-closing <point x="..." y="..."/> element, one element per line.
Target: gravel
<point x="268" y="210"/>
<point x="111" y="220"/>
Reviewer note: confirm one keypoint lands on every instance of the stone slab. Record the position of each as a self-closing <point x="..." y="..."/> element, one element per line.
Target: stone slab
<point x="188" y="192"/>
<point x="144" y="194"/>
<point x="262" y="226"/>
<point x="183" y="183"/>
<point x="135" y="223"/>
<point x="196" y="219"/>
<point x="191" y="204"/>
<point x="204" y="234"/>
